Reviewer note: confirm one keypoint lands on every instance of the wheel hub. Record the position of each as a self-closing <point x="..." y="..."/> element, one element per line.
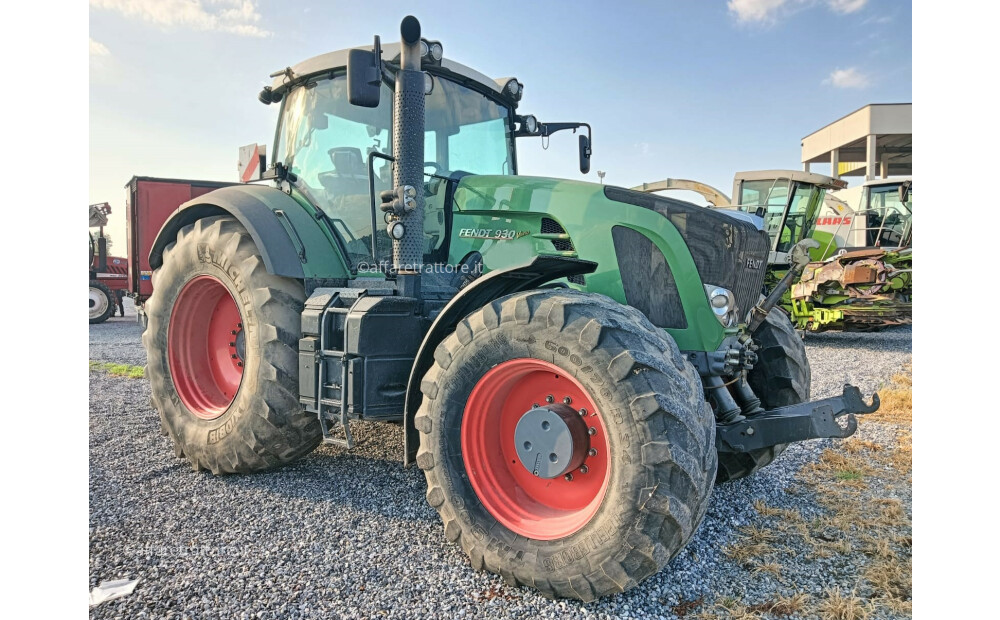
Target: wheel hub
<point x="206" y="347"/>
<point x="551" y="441"/>
<point x="98" y="302"/>
<point x="509" y="406"/>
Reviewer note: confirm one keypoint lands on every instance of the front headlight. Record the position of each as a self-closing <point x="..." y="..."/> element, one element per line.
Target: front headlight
<point x="723" y="304"/>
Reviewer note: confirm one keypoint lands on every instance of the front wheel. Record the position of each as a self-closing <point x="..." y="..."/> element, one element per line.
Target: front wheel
<point x="101" y="302"/>
<point x="221" y="340"/>
<point x="567" y="444"/>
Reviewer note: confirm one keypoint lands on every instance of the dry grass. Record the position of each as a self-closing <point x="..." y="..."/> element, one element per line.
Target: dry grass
<point x="783" y="605"/>
<point x="897" y="401"/>
<point x="685" y="607"/>
<point x="875" y="532"/>
<point x="838" y="606"/>
<point x="892" y="578"/>
<point x="743" y="552"/>
<point x="771" y="568"/>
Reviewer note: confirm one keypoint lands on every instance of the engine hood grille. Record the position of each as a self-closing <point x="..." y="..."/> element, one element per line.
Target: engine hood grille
<point x="727" y="251"/>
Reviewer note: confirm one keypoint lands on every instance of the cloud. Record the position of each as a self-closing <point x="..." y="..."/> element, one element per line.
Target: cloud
<point x="768" y="11"/>
<point x="847" y="6"/>
<point x="238" y="17"/>
<point x="755" y="10"/>
<point x="847" y="78"/>
<point x="98" y="49"/>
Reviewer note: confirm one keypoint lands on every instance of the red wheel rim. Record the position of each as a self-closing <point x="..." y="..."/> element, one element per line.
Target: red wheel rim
<point x="205" y="347"/>
<point x="538" y="508"/>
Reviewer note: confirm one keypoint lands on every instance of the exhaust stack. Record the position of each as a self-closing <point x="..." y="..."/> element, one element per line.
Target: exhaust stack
<point x="408" y="149"/>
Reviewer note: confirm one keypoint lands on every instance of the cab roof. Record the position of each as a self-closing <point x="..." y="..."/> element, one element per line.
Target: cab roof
<point x="390" y="52"/>
<point x="892" y="181"/>
<point x="820" y="180"/>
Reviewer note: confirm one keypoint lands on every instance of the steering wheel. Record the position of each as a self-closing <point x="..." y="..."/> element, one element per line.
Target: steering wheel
<point x="433" y="164"/>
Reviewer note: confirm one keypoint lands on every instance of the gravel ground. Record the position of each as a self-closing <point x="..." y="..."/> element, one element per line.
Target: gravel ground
<point x="350" y="534"/>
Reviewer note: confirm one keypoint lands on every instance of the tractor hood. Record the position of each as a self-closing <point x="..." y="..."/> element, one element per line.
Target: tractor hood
<point x="655" y="253"/>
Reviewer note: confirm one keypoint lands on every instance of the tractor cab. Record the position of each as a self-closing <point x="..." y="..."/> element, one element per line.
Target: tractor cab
<point x="788" y="200"/>
<point x="338" y="156"/>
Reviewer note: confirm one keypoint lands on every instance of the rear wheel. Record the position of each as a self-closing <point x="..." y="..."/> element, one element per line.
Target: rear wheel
<point x="781" y="377"/>
<point x="567" y="444"/>
<point x="220" y="341"/>
<point x="101" y="302"/>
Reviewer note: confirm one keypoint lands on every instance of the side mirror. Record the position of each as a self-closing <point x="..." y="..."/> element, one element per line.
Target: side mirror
<point x="904" y="191"/>
<point x="364" y="76"/>
<point x="584" y="154"/>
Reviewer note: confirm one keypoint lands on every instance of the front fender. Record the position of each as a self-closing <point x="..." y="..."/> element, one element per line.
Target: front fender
<point x="496" y="284"/>
<point x="290" y="241"/>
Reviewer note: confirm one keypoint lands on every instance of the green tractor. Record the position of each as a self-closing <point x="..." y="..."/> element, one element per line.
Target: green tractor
<point x="574" y="366"/>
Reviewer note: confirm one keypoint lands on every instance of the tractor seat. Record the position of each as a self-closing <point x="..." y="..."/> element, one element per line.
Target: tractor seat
<point x="349" y="176"/>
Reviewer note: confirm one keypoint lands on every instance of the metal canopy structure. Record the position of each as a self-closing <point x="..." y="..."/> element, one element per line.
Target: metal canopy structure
<point x="875" y="141"/>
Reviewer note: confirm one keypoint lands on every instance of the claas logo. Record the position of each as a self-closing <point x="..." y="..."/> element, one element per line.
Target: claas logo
<point x="833" y="221"/>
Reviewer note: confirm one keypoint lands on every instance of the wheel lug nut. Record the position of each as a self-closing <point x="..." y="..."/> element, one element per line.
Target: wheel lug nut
<point x="240" y="325"/>
<point x="583" y="411"/>
<point x="550" y="399"/>
<point x="240" y="364"/>
<point x="592" y="452"/>
<point x="534" y="405"/>
<point x="569" y="477"/>
<point x="592" y="431"/>
<point x="232" y="344"/>
<point x="584" y="469"/>
<point x="233" y="332"/>
<point x="233" y="356"/>
<point x="567" y="400"/>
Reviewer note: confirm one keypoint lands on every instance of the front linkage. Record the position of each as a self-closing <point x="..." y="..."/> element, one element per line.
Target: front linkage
<point x="813" y="420"/>
<point x="742" y="424"/>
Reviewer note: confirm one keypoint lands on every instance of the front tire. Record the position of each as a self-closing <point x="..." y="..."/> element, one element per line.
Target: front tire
<point x="781" y="377"/>
<point x="647" y="484"/>
<point x="221" y="343"/>
<point x="101" y="302"/>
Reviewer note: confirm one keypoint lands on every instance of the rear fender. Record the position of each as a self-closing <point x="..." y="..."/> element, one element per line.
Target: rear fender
<point x="285" y="234"/>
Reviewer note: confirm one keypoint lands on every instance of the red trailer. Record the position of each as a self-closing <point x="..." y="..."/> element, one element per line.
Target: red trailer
<point x="149" y="202"/>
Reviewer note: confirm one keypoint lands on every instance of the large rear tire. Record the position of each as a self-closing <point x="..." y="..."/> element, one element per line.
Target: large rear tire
<point x="102" y="302"/>
<point x="781" y="377"/>
<point x="651" y="459"/>
<point x="221" y="342"/>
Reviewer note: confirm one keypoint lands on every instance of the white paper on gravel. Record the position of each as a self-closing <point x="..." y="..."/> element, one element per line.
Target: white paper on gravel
<point x="110" y="590"/>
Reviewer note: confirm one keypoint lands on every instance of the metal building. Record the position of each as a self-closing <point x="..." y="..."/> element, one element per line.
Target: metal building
<point x="875" y="141"/>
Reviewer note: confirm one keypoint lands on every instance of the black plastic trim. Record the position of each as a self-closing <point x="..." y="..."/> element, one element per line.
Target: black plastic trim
<point x="253" y="206"/>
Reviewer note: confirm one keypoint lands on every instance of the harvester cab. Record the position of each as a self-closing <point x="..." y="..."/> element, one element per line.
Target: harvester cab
<point x="789" y="201"/>
<point x="878" y="214"/>
<point x="574" y="365"/>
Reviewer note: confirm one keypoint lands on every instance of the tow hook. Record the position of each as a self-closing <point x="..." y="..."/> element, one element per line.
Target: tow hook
<point x="812" y="420"/>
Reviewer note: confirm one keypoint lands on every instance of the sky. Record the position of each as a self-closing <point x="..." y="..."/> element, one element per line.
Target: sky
<point x="672" y="89"/>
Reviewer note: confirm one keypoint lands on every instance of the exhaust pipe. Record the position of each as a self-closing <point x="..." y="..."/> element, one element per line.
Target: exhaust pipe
<point x="408" y="148"/>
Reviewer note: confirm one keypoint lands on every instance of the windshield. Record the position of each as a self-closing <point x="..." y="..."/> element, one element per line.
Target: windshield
<point x="888" y="217"/>
<point x="773" y="195"/>
<point x="326" y="142"/>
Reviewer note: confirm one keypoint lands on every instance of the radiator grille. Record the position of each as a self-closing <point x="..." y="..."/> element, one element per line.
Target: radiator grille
<point x="649" y="284"/>
<point x="727" y="252"/>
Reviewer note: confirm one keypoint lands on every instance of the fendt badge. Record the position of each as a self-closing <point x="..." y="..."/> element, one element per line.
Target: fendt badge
<point x="491" y="233"/>
<point x="754" y="263"/>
